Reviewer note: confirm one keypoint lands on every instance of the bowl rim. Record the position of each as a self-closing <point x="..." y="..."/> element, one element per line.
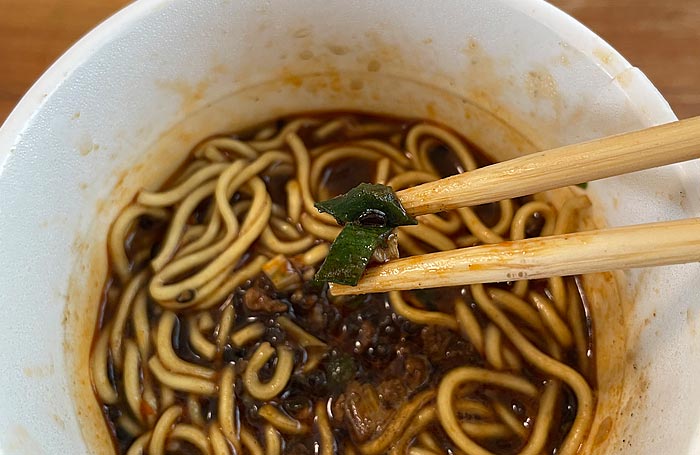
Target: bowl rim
<point x="581" y="38"/>
<point x="586" y="41"/>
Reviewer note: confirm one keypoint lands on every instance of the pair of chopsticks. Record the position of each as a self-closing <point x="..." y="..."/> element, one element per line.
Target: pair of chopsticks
<point x="643" y="245"/>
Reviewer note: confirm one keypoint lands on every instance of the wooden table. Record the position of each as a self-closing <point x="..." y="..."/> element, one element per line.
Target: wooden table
<point x="660" y="37"/>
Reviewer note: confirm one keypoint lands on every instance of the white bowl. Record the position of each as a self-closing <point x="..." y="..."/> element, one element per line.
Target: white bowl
<point x="122" y="107"/>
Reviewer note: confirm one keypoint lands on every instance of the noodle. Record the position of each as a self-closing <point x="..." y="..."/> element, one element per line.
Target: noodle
<point x="214" y="337"/>
<point x="283" y="371"/>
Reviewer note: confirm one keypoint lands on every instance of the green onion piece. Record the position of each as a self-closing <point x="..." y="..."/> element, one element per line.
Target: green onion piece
<point x="583" y="185"/>
<point x="367" y="204"/>
<point x="350" y="253"/>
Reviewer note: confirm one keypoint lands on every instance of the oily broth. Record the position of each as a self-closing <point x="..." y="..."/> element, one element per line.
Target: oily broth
<point x="391" y="358"/>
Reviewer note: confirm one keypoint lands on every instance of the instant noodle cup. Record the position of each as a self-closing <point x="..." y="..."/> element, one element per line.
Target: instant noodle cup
<point x="121" y="109"/>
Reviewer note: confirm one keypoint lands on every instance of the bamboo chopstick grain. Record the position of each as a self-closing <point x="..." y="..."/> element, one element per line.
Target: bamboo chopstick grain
<point x="615" y="155"/>
<point x="654" y="244"/>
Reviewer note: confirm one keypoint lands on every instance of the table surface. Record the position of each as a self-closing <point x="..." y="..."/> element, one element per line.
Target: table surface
<point x="660" y="37"/>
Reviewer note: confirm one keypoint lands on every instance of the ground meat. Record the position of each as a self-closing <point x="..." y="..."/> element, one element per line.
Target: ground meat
<point x="392" y="393"/>
<point x="436" y="340"/>
<point x="417" y="371"/>
<point x="364" y="413"/>
<point x="365" y="337"/>
<point x="338" y="409"/>
<point x="257" y="300"/>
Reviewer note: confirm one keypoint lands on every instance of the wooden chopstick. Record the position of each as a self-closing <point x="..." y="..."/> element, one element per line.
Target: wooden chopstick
<point x="615" y="155"/>
<point x="643" y="245"/>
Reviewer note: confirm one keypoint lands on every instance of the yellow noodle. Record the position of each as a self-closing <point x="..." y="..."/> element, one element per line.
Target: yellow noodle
<point x="211" y="231"/>
<point x="194" y="410"/>
<point x="548" y="365"/>
<point x="509" y="419"/>
<point x="511" y="358"/>
<point x="330" y="128"/>
<point x="240" y="148"/>
<point x="300" y="335"/>
<point x="279" y="139"/>
<point x="492" y="347"/>
<point x="228" y="315"/>
<point x="543" y="421"/>
<point x="167" y="355"/>
<point x="517" y="306"/>
<point x="162" y="430"/>
<point x="123" y="310"/>
<point x="337" y="154"/>
<point x="214" y="155"/>
<point x="316" y="254"/>
<point x="281" y="421"/>
<point x="273" y="441"/>
<point x="289" y="248"/>
<point x="451" y="141"/>
<point x="402" y="308"/>
<point x="248" y="334"/>
<point x="409" y="246"/>
<point x="181" y="382"/>
<point x="132" y="378"/>
<point x="285" y="228"/>
<point x="447" y="224"/>
<point x="453" y="380"/>
<point x="422" y="451"/>
<point x="234" y="280"/>
<point x="397" y="425"/>
<point x="566" y="213"/>
<point x="473" y="408"/>
<point x="193" y="435"/>
<point x="138" y="447"/>
<point x="382" y="173"/>
<point x="386" y="149"/>
<point x="319" y="229"/>
<point x="429" y="236"/>
<point x="423" y="155"/>
<point x="468" y="325"/>
<point x="226" y="249"/>
<point x="250" y="442"/>
<point x="250" y="231"/>
<point x="524" y="213"/>
<point x="482" y="232"/>
<point x="219" y="445"/>
<point x="505" y="220"/>
<point x="301" y="157"/>
<point x="294" y="200"/>
<point x="205" y="321"/>
<point x="428" y="441"/>
<point x="118" y="234"/>
<point x="177" y="224"/>
<point x="167" y="396"/>
<point x="551" y="319"/>
<point x="203" y="347"/>
<point x="323" y="425"/>
<point x="141" y="326"/>
<point x="178" y="193"/>
<point x="422" y="419"/>
<point x="265" y="132"/>
<point x="99" y="365"/>
<point x="576" y="319"/>
<point x="227" y="407"/>
<point x="283" y="371"/>
<point x="410" y="178"/>
<point x="487" y="430"/>
<point x="149" y="398"/>
<point x="129" y="425"/>
<point x="557" y="288"/>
